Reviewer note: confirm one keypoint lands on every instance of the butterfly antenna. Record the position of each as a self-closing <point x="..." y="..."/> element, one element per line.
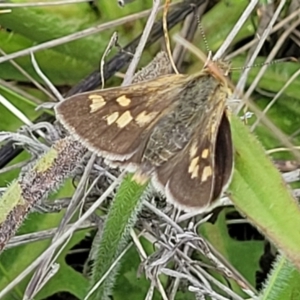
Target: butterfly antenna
<point x="203" y="34"/>
<point x="286" y="59"/>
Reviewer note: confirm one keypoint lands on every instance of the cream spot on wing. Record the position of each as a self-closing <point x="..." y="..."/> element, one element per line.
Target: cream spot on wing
<point x="143" y="118"/>
<point x="124" y="119"/>
<point x="205" y="153"/>
<point x="97" y="102"/>
<point x="193" y="150"/>
<point x="123" y="100"/>
<point x="140" y="177"/>
<point x="194" y="167"/>
<point x="207" y="172"/>
<point x="112" y="118"/>
<point x="213" y="127"/>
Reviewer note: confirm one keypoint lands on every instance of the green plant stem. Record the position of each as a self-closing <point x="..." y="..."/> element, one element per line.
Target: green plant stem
<point x="120" y="220"/>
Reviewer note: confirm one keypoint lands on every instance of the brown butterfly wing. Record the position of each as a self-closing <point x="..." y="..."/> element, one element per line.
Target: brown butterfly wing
<point x="223" y="157"/>
<point x="115" y="122"/>
<point x="195" y="177"/>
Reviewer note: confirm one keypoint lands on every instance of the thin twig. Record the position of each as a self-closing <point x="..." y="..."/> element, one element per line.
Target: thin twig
<point x="36" y="4"/>
<point x="62" y="238"/>
<point x="138" y="53"/>
<point x="76" y="36"/>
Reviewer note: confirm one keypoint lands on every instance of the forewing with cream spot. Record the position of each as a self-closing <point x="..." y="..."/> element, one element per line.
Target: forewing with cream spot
<point x="206" y="162"/>
<point x="114" y="122"/>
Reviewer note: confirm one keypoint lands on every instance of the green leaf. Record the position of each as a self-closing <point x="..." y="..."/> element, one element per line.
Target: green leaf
<point x="283" y="282"/>
<point x="14" y="261"/>
<point x="259" y="192"/>
<point x="234" y="251"/>
<point x="120" y="220"/>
